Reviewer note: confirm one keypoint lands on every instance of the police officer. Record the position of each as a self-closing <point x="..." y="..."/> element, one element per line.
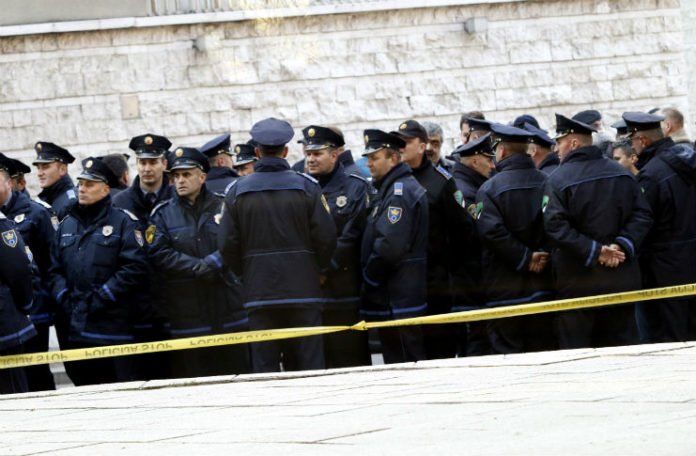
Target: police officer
<point x="540" y="148"/>
<point x="36" y="223"/>
<point x="473" y="165"/>
<point x="16" y="298"/>
<point x="201" y="296"/>
<point x="448" y="225"/>
<point x="394" y="248"/>
<point x="98" y="265"/>
<point x="345" y="156"/>
<point x="597" y="217"/>
<point x="58" y="189"/>
<point x="478" y="128"/>
<point x="246" y="157"/>
<point x="221" y="160"/>
<point x="17" y="172"/>
<point x="511" y="227"/>
<point x="278" y="235"/>
<point x="669" y="255"/>
<point x="151" y="186"/>
<point x="347" y="196"/>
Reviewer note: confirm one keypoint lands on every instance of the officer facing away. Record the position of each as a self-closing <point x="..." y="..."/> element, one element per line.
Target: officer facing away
<point x="98" y="264"/>
<point x="347" y="196"/>
<point x="201" y="297"/>
<point x="221" y="160"/>
<point x="394" y="248"/>
<point x="278" y="235"/>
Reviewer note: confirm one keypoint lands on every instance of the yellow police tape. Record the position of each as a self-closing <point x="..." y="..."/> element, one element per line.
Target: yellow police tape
<point x="31" y="359"/>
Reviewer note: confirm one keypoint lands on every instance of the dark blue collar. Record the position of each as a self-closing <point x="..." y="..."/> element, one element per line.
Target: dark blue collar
<point x="515" y="161"/>
<point x="271" y="165"/>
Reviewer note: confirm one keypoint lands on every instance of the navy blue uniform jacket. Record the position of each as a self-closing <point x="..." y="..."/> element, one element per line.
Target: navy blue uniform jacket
<point x="592" y="201"/>
<point x="277" y="234"/>
<point x="394" y="248"/>
<point x="61" y="196"/>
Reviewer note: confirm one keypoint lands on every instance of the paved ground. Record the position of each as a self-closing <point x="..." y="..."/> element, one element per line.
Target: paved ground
<point x="620" y="401"/>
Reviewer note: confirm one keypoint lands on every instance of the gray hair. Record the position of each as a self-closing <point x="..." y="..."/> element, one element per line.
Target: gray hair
<point x="433" y="129"/>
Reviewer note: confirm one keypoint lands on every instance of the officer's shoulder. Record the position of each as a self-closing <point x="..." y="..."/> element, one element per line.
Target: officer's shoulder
<point x="360" y="178"/>
<point x="308" y="177"/>
<point x="159" y="207"/>
<point x="443" y="172"/>
<point x="230" y="186"/>
<point x="70" y="193"/>
<point x="43" y="204"/>
<point x="130" y="215"/>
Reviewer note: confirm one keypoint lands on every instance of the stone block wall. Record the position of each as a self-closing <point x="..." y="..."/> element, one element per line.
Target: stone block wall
<point x="92" y="91"/>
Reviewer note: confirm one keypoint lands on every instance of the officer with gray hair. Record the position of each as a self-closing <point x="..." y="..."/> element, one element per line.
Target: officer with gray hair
<point x="433" y="149"/>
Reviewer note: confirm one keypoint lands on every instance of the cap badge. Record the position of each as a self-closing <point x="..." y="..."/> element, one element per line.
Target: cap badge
<point x="148" y="140"/>
<point x="341" y="201"/>
<point x="107" y="230"/>
<point x="311" y="132"/>
<point x="39" y="146"/>
<point x="237" y="149"/>
<point x="367" y="139"/>
<point x="403" y="126"/>
<point x="89" y="164"/>
<point x="179" y="152"/>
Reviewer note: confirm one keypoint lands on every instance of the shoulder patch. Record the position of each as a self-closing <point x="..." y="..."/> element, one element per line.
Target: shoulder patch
<point x="308" y="177"/>
<point x="398" y="188"/>
<point x="355" y="176"/>
<point x="43" y="203"/>
<point x="71" y="194"/>
<point x="130" y="214"/>
<point x="443" y="171"/>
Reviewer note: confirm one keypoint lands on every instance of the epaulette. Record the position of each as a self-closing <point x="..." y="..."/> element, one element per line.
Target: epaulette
<point x="308" y="177"/>
<point x="43" y="203"/>
<point x="129" y="213"/>
<point x="71" y="194"/>
<point x="443" y="171"/>
<point x="156" y="208"/>
<point x="358" y="177"/>
<point x="231" y="184"/>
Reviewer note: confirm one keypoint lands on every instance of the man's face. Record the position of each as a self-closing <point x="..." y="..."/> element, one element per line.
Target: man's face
<point x="320" y="162"/>
<point x="639" y="142"/>
<point x="624" y="160"/>
<point x="482" y="164"/>
<point x="246" y="169"/>
<point x="564" y="145"/>
<point x="151" y="170"/>
<point x="465" y="132"/>
<point x="433" y="148"/>
<point x="476" y="134"/>
<point x="224" y="161"/>
<point x="5" y="187"/>
<point x="49" y="173"/>
<point x="188" y="182"/>
<point x="413" y="152"/>
<point x="90" y="192"/>
<point x="380" y="163"/>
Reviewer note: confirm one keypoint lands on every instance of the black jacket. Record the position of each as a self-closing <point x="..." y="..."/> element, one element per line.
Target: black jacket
<point x="394" y="248"/>
<point x="277" y="234"/>
<point x="449" y="231"/>
<point x="511" y="227"/>
<point x="98" y="265"/>
<point x="201" y="297"/>
<point x="15" y="287"/>
<point x="348" y="197"/>
<point x="550" y="163"/>
<point x="219" y="178"/>
<point x="134" y="200"/>
<point x="592" y="201"/>
<point x="61" y="196"/>
<point x="37" y="224"/>
<point x="669" y="182"/>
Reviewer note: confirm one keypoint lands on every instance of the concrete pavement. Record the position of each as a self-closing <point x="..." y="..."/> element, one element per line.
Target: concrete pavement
<point x="621" y="401"/>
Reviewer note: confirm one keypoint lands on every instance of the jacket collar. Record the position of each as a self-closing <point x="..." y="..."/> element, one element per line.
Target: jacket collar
<point x="583" y="154"/>
<point x="51" y="193"/>
<point x="271" y="164"/>
<point x="515" y="161"/>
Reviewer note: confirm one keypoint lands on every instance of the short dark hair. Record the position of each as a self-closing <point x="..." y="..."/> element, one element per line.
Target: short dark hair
<point x="116" y="163"/>
<point x="470" y="115"/>
<point x="624" y="145"/>
<point x="272" y="151"/>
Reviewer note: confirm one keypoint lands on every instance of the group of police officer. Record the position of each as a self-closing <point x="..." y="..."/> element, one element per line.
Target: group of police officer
<point x="202" y="243"/>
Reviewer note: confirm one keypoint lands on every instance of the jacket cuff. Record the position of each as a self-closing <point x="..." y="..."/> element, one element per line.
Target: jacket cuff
<point x="627" y="245"/>
<point x="214" y="260"/>
<point x="594" y="253"/>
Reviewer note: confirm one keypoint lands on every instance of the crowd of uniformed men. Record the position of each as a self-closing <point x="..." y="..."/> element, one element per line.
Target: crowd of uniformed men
<point x="220" y="239"/>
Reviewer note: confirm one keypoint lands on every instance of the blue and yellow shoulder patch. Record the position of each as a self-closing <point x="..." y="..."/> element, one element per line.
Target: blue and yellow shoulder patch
<point x="443" y="171"/>
<point x="398" y="188"/>
<point x="10" y="238"/>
